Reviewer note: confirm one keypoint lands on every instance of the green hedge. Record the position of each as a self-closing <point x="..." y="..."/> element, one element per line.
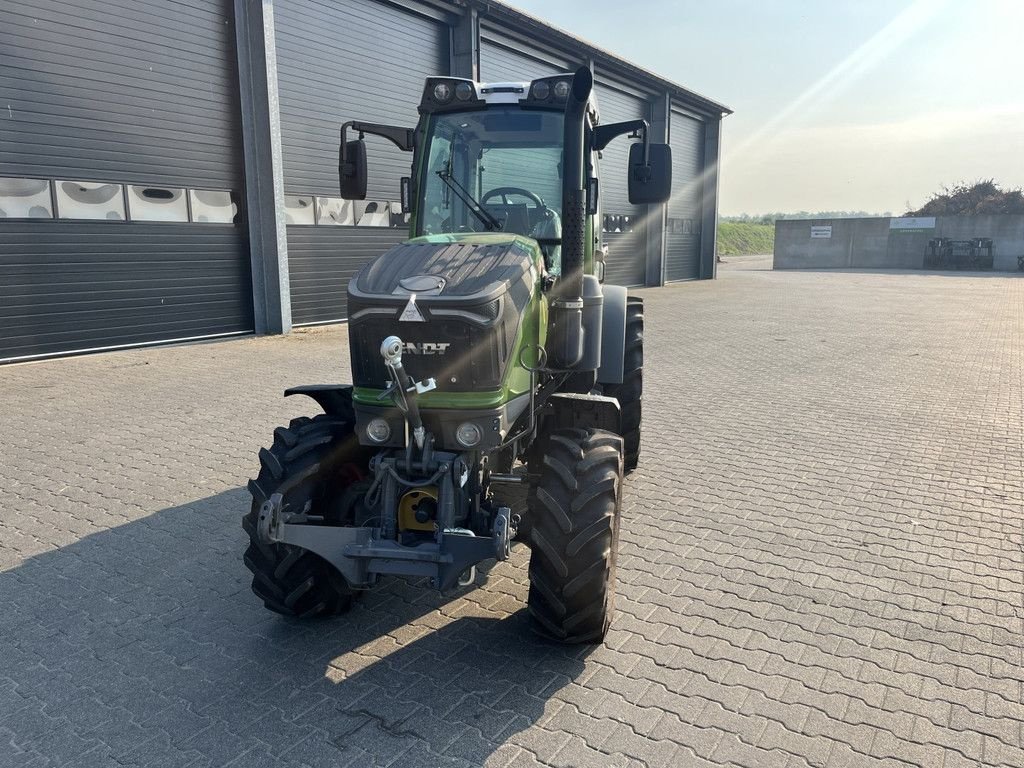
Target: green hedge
<point x="741" y="238"/>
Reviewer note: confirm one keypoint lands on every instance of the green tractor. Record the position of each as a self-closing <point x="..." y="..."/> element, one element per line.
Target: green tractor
<point x="486" y="354"/>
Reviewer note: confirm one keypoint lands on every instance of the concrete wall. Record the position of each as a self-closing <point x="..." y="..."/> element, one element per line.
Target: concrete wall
<point x="872" y="244"/>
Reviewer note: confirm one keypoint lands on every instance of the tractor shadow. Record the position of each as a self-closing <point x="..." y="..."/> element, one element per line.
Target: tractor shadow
<point x="142" y="644"/>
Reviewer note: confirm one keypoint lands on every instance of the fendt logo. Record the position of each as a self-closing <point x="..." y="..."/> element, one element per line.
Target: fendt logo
<point x="426" y="348"/>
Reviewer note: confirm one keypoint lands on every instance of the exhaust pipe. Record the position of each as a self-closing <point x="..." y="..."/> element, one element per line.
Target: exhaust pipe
<point x="565" y="324"/>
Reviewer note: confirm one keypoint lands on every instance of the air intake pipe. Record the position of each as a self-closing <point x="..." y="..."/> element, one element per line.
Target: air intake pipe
<point x="565" y="320"/>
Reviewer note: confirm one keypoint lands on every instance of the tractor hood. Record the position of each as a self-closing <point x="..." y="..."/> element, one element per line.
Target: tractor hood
<point x="456" y="267"/>
<point x="456" y="301"/>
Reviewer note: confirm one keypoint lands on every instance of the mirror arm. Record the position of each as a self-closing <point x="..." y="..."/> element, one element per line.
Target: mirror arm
<point x="403" y="138"/>
<point x="603" y="134"/>
<point x="647" y="145"/>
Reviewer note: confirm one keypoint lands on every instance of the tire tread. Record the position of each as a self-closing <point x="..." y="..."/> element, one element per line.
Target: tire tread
<point x="290" y="580"/>
<point x="574" y="518"/>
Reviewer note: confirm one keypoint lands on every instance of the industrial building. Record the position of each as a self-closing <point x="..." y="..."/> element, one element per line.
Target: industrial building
<point x="168" y="168"/>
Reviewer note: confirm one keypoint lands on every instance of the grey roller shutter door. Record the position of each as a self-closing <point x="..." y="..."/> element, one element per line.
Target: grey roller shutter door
<point x="75" y="286"/>
<point x="682" y="236"/>
<point x="624" y="232"/>
<point x="122" y="92"/>
<point x="340" y="61"/>
<point x="505" y="63"/>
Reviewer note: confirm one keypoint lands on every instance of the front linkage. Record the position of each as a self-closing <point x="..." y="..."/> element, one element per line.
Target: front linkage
<point x="362" y="552"/>
<point x="330" y="516"/>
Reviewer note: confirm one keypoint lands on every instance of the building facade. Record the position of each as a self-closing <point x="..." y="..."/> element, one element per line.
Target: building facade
<point x="168" y="168"/>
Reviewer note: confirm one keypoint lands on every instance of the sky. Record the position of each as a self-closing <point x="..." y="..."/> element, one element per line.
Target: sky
<point x="865" y="105"/>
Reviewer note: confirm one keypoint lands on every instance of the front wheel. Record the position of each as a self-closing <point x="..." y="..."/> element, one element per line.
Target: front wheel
<point x="574" y="510"/>
<point x="311" y="464"/>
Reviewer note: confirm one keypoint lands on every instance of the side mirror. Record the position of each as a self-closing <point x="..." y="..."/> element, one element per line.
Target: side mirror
<point x="352" y="170"/>
<point x="650" y="183"/>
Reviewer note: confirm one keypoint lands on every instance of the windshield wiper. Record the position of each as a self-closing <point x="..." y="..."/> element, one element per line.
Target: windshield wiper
<point x="486" y="218"/>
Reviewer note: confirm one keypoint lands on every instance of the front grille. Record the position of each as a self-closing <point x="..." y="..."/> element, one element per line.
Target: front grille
<point x="490" y="309"/>
<point x="473" y="358"/>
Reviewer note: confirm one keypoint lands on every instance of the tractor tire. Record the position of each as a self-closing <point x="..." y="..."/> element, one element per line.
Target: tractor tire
<point x="574" y="510"/>
<point x="630" y="392"/>
<point x="310" y="463"/>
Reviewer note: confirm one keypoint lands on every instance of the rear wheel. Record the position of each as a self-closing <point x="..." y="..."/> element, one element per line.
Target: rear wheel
<point x="311" y="463"/>
<point x="574" y="533"/>
<point x="630" y="392"/>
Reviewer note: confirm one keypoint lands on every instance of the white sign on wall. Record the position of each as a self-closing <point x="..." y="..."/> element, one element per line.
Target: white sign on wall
<point x="822" y="231"/>
<point x="913" y="222"/>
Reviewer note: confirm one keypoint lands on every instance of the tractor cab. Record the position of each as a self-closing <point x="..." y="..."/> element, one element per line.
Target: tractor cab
<point x="491" y="157"/>
<point x="492" y="160"/>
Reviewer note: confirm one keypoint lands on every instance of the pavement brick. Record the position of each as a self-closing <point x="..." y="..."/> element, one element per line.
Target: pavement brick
<point x="821" y="564"/>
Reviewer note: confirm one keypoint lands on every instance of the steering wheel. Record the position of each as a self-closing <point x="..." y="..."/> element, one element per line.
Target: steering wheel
<point x="504" y="192"/>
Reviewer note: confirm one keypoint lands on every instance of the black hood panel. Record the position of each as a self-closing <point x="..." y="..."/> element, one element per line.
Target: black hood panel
<point x="460" y="270"/>
<point x="469" y="305"/>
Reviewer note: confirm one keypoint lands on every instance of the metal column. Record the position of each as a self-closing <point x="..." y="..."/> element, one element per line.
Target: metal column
<point x="661" y="111"/>
<point x="709" y="203"/>
<point x="264" y="176"/>
<point x="465" y="45"/>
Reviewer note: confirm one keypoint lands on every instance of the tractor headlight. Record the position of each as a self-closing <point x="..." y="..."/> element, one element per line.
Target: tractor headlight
<point x="541" y="89"/>
<point x="468" y="434"/>
<point x="378" y="430"/>
<point x="463" y="91"/>
<point x="442" y="92"/>
<point x="561" y="89"/>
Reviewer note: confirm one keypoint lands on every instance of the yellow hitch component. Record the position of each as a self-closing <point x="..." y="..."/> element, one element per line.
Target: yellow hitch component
<point x="423" y="500"/>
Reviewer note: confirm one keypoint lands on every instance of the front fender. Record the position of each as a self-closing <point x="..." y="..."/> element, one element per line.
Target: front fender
<point x="334" y="399"/>
<point x="613" y="335"/>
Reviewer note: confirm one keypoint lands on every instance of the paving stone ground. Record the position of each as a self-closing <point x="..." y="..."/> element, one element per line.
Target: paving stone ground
<point x="821" y="559"/>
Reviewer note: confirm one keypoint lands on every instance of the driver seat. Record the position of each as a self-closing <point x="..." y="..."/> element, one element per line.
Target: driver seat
<point x="517" y="219"/>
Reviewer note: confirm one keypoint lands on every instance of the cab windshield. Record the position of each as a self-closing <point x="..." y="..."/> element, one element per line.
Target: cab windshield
<point x="491" y="170"/>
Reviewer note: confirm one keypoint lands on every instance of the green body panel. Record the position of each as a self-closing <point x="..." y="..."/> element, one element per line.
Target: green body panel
<point x="532" y="333"/>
